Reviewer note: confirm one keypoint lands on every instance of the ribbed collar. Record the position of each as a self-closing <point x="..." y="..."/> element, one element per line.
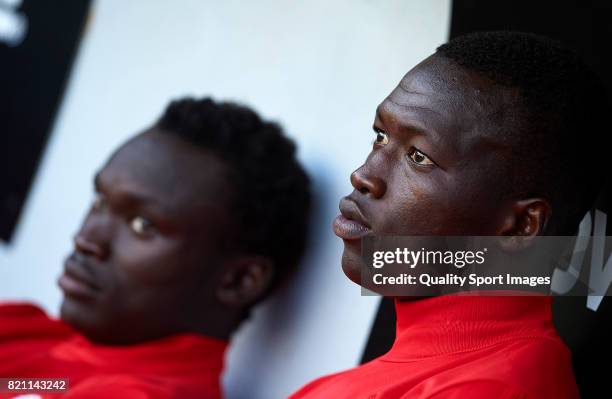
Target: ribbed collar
<point x="456" y="323"/>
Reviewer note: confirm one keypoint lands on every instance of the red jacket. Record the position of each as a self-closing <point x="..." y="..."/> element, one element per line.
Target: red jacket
<point x="456" y="347"/>
<point x="180" y="366"/>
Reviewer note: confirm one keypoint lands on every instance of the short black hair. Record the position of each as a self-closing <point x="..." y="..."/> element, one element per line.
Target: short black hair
<point x="563" y="110"/>
<point x="271" y="198"/>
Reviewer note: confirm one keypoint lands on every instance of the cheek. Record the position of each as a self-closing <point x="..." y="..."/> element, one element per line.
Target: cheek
<point x="151" y="262"/>
<point x="468" y="204"/>
<point x="419" y="204"/>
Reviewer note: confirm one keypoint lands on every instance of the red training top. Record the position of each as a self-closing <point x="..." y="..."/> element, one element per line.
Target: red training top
<point x="456" y="347"/>
<point x="33" y="345"/>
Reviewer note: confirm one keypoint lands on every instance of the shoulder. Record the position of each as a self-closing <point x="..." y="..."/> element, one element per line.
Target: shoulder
<point x="117" y="386"/>
<point x="477" y="389"/>
<point x="316" y="385"/>
<point x="542" y="367"/>
<point x="137" y="387"/>
<point x="525" y="368"/>
<point x="20" y="309"/>
<point x="25" y="320"/>
<point x="534" y="358"/>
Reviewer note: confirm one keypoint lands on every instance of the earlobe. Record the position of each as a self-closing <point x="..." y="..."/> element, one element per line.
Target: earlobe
<point x="245" y="281"/>
<point x="536" y="218"/>
<point x="525" y="220"/>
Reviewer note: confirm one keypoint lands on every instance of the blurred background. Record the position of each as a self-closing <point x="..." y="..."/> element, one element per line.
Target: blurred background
<point x="80" y="77"/>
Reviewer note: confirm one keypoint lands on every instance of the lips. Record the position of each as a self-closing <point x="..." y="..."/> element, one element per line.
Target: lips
<point x="350" y="224"/>
<point x="77" y="280"/>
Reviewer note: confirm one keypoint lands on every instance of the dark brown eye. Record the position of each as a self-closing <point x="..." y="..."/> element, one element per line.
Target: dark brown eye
<point x="382" y="138"/>
<point x="420" y="158"/>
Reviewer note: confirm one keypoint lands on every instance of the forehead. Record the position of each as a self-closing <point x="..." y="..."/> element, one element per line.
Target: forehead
<point x="455" y="105"/>
<point x="174" y="173"/>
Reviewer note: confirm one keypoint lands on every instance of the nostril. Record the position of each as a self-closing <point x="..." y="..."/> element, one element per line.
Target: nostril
<point x="363" y="190"/>
<point x="88" y="247"/>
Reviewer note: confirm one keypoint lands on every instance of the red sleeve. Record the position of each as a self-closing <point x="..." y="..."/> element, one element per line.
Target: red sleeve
<point x="477" y="390"/>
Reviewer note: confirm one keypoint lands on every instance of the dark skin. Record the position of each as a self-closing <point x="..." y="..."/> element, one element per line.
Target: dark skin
<point x="438" y="165"/>
<point x="155" y="255"/>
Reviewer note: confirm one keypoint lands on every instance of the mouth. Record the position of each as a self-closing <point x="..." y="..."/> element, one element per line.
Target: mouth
<point x="351" y="224"/>
<point x="76" y="280"/>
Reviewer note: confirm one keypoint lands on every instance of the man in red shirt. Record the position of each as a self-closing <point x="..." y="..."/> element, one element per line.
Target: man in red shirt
<point x="187" y="232"/>
<point x="480" y="139"/>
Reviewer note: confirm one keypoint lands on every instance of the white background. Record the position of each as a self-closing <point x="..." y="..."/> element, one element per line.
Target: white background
<point x="318" y="67"/>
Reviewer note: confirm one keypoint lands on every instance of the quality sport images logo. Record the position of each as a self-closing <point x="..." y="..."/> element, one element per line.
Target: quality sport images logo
<point x="398" y="266"/>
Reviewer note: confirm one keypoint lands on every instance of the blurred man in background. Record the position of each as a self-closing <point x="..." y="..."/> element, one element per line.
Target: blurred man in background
<point x="195" y="220"/>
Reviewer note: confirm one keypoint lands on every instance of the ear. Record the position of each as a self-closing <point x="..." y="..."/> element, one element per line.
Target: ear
<point x="244" y="281"/>
<point x="525" y="220"/>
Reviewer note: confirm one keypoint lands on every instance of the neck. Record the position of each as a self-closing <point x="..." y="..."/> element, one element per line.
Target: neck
<point x="215" y="324"/>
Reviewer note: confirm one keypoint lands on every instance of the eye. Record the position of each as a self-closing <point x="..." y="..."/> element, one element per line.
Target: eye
<point x="142" y="226"/>
<point x="382" y="138"/>
<point x="419" y="158"/>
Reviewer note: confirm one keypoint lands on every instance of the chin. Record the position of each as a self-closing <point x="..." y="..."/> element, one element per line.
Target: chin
<point x="81" y="316"/>
<point x="73" y="312"/>
<point x="351" y="265"/>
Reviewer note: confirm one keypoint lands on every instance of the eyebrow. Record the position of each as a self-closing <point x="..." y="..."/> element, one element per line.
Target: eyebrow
<point x="135" y="198"/>
<point x="412" y="127"/>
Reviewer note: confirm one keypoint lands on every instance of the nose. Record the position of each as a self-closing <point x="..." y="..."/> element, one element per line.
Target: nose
<point x="92" y="239"/>
<point x="366" y="183"/>
<point x="90" y="248"/>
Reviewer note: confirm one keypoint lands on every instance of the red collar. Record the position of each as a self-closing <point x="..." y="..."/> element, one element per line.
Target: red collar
<point x="174" y="354"/>
<point x="452" y="324"/>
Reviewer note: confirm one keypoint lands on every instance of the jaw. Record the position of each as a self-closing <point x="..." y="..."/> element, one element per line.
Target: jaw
<point x="82" y="316"/>
<point x="351" y="261"/>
